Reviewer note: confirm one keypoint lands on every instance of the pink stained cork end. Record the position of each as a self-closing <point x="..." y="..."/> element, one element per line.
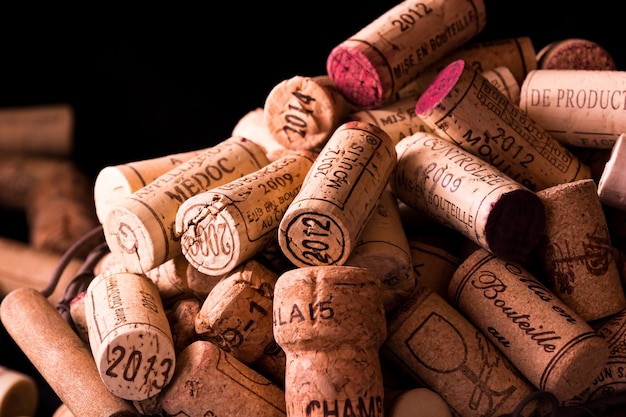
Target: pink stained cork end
<point x="439" y="87"/>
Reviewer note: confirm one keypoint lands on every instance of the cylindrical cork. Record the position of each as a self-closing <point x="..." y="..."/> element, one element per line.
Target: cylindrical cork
<point x="383" y="249"/>
<point x="330" y="322"/>
<point x="322" y="223"/>
<point x="201" y="284"/>
<point x="129" y="335"/>
<point x="385" y="55"/>
<point x="469" y="195"/>
<point x="60" y="356"/>
<point x="439" y="346"/>
<point x="582" y="108"/>
<point x="114" y="183"/>
<point x="464" y="107"/>
<point x="252" y="126"/>
<point x="576" y="252"/>
<point x="433" y="262"/>
<point x="546" y="340"/>
<point x="141" y="227"/>
<point x="211" y="382"/>
<point x="228" y="224"/>
<point x="504" y="80"/>
<point x="419" y="402"/>
<point x="19" y="395"/>
<point x="612" y="182"/>
<point x="182" y="319"/>
<point x="302" y="112"/>
<point x="171" y="278"/>
<point x="575" y="53"/>
<point x="38" y="130"/>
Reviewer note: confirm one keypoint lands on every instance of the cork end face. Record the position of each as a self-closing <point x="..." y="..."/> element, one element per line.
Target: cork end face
<point x="515" y="225"/>
<point x="580" y="54"/>
<point x="439" y="88"/>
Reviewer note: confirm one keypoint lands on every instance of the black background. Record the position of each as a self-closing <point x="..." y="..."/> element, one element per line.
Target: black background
<point x="147" y="83"/>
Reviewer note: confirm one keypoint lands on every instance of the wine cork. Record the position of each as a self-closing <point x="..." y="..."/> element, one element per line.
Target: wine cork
<point x="78" y="317"/>
<point x="116" y="182"/>
<point x="19" y="395"/>
<point x="385" y="55"/>
<point x="419" y="402"/>
<point x="576" y="253"/>
<point x="141" y="227"/>
<point x="252" y="126"/>
<point x="224" y="226"/>
<point x="182" y="319"/>
<point x="302" y="112"/>
<point x="546" y="340"/>
<point x="62" y="411"/>
<point x="201" y="284"/>
<point x="504" y="80"/>
<point x="322" y="223"/>
<point x="59" y="355"/>
<point x="46" y="130"/>
<point x="464" y="107"/>
<point x="438" y="345"/>
<point x="129" y="335"/>
<point x="383" y="248"/>
<point x="330" y="322"/>
<point x="433" y="263"/>
<point x="575" y="53"/>
<point x="582" y="108"/>
<point x="612" y="184"/>
<point x="209" y="381"/>
<point x="171" y="278"/>
<point x="596" y="159"/>
<point x="469" y="195"/>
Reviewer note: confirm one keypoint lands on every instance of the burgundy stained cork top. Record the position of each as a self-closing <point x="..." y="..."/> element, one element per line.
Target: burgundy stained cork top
<point x="439" y="88"/>
<point x="575" y="54"/>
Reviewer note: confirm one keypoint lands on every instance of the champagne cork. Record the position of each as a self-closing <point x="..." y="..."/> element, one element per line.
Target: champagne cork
<point x="464" y="107"/>
<point x="575" y="53"/>
<point x="141" y="227"/>
<point x="129" y="335"/>
<point x="59" y="355"/>
<point x="116" y="182"/>
<point x="438" y="345"/>
<point x="504" y="80"/>
<point x="330" y="322"/>
<point x="383" y="248"/>
<point x="211" y="382"/>
<point x="302" y="112"/>
<point x="252" y="126"/>
<point x="419" y="402"/>
<point x="582" y="108"/>
<point x="385" y="55"/>
<point x="546" y="340"/>
<point x="433" y="263"/>
<point x="612" y="184"/>
<point x="19" y="395"/>
<point x="38" y="130"/>
<point x="469" y="195"/>
<point x="224" y="226"/>
<point x="576" y="252"/>
<point x="322" y="223"/>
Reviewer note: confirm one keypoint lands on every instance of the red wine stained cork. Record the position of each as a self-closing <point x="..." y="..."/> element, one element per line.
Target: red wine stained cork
<point x="19" y="395"/>
<point x="211" y="382"/>
<point x="59" y="355"/>
<point x="114" y="183"/>
<point x="385" y="55"/>
<point x="612" y="183"/>
<point x="330" y="322"/>
<point x="252" y="126"/>
<point x="469" y="195"/>
<point x="546" y="340"/>
<point x="302" y="112"/>
<point x="576" y="253"/>
<point x="583" y="108"/>
<point x="140" y="228"/>
<point x="222" y="227"/>
<point x="440" y="347"/>
<point x="129" y="335"/>
<point x="464" y="107"/>
<point x="575" y="53"/>
<point x="322" y="223"/>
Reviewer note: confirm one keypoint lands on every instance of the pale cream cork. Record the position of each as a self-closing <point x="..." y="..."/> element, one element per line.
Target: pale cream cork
<point x="129" y="335"/>
<point x="582" y="108"/>
<point x="322" y="223"/>
<point x="209" y="381"/>
<point x="504" y="80"/>
<point x="330" y="321"/>
<point x="442" y="348"/>
<point x="612" y="183"/>
<point x="141" y="227"/>
<point x="575" y="53"/>
<point x="576" y="252"/>
<point x="171" y="278"/>
<point x="59" y="355"/>
<point x="116" y="182"/>
<point x="462" y="106"/>
<point x="419" y="402"/>
<point x="302" y="112"/>
<point x="19" y="395"/>
<point x="229" y="224"/>
<point x="252" y="126"/>
<point x="62" y="411"/>
<point x="546" y="340"/>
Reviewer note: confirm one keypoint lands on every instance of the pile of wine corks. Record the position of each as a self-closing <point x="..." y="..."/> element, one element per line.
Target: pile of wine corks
<point x="419" y="231"/>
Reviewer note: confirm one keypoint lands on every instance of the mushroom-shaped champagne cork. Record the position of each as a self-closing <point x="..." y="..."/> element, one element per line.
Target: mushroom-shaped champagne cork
<point x="385" y="55"/>
<point x="330" y="322"/>
<point x="323" y="222"/>
<point x="464" y="107"/>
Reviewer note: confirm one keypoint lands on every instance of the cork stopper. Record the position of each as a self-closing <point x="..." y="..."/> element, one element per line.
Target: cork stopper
<point x="575" y="53"/>
<point x="19" y="395"/>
